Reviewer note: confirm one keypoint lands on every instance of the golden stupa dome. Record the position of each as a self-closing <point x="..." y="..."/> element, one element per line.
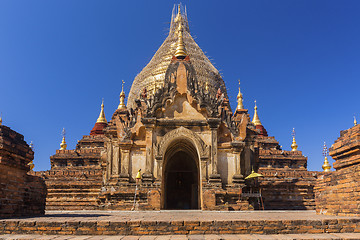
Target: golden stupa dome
<point x="153" y="74"/>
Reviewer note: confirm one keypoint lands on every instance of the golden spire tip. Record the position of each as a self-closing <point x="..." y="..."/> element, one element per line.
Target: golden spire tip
<point x="180" y="48"/>
<point x="63" y="144"/>
<point x="178" y="16"/>
<point x="355" y="122"/>
<point x="326" y="166"/>
<point x="256" y="119"/>
<point x="0" y="119"/>
<point x="122" y="97"/>
<point x="101" y="118"/>
<point x="294" y="146"/>
<point x="239" y="99"/>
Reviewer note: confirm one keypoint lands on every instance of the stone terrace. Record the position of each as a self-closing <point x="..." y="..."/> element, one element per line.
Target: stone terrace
<point x="180" y="222"/>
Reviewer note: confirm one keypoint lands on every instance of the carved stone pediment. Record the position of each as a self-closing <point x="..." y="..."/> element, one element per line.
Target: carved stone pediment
<point x="182" y="133"/>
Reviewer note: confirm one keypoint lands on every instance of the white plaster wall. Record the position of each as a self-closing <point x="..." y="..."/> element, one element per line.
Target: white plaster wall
<point x="226" y="166"/>
<point x="137" y="161"/>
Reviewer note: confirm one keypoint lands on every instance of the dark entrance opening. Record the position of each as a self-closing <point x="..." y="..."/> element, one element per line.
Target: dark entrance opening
<point x="181" y="182"/>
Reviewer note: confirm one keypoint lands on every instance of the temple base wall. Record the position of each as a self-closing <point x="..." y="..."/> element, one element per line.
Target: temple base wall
<point x="338" y="193"/>
<point x="21" y="193"/>
<point x="288" y="189"/>
<point x="72" y="189"/>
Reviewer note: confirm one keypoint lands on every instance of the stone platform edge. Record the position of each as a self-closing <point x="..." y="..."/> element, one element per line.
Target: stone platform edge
<point x="351" y="225"/>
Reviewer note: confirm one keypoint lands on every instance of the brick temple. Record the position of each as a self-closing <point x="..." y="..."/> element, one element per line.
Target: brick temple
<point x="176" y="144"/>
<point x="193" y="150"/>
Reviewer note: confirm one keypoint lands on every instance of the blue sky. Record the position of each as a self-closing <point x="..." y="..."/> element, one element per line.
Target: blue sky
<point x="299" y="59"/>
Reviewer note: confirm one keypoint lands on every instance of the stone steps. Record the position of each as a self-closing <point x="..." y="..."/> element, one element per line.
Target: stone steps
<point x="335" y="236"/>
<point x="83" y="224"/>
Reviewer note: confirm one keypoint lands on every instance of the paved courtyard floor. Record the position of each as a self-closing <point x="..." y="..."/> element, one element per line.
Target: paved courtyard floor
<point x="183" y="215"/>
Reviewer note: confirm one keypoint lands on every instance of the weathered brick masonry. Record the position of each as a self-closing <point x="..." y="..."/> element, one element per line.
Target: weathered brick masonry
<point x="287" y="184"/>
<point x="75" y="179"/>
<point x="338" y="192"/>
<point x="21" y="193"/>
<point x="149" y="227"/>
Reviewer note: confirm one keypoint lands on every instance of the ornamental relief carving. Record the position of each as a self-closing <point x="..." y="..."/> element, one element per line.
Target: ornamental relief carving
<point x="182" y="133"/>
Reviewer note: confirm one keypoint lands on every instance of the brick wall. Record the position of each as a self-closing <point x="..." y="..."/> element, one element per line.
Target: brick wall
<point x="338" y="192"/>
<point x="21" y="193"/>
<point x="77" y="188"/>
<point x="288" y="189"/>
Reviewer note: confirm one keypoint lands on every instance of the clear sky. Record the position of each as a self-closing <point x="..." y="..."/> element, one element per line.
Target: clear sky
<point x="299" y="59"/>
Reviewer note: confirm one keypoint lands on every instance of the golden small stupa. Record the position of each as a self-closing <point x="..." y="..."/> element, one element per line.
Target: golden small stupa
<point x="63" y="144"/>
<point x="240" y="100"/>
<point x="256" y="119"/>
<point x="294" y="146"/>
<point x="122" y="97"/>
<point x="101" y="118"/>
<point x="180" y="48"/>
<point x="326" y="166"/>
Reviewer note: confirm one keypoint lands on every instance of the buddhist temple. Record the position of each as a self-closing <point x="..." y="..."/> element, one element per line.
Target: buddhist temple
<point x="179" y="143"/>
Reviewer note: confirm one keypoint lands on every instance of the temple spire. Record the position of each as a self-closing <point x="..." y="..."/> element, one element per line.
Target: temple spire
<point x="256" y="120"/>
<point x="63" y="144"/>
<point x="239" y="100"/>
<point x="180" y="48"/>
<point x="122" y="97"/>
<point x="294" y="146"/>
<point x="355" y="122"/>
<point x="101" y="118"/>
<point x="178" y="16"/>
<point x="0" y="119"/>
<point x="326" y="166"/>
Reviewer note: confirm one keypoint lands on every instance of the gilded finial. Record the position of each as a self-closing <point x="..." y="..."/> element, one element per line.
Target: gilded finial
<point x="239" y="99"/>
<point x="256" y="120"/>
<point x="122" y="97"/>
<point x="101" y="118"/>
<point x="178" y="16"/>
<point x="294" y="146"/>
<point x="326" y="166"/>
<point x="355" y="122"/>
<point x="0" y="119"/>
<point x="180" y="48"/>
<point x="63" y="144"/>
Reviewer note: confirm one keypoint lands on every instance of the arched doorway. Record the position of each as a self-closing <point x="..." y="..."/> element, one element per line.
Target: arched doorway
<point x="181" y="178"/>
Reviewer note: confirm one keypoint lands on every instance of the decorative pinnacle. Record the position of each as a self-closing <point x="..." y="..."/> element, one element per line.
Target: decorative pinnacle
<point x="178" y="16"/>
<point x="180" y="48"/>
<point x="239" y="100"/>
<point x="294" y="146"/>
<point x="326" y="166"/>
<point x="101" y="118"/>
<point x="122" y="97"/>
<point x="31" y="145"/>
<point x="355" y="122"/>
<point x="256" y="120"/>
<point x="63" y="144"/>
<point x="0" y="119"/>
